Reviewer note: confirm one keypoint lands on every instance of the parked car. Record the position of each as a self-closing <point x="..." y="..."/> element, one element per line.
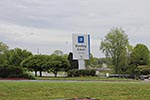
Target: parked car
<point x="142" y="77"/>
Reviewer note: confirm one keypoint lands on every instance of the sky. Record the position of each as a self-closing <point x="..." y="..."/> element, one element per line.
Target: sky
<point x="48" y="25"/>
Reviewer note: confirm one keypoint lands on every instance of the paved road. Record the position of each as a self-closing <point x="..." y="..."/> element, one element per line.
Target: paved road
<point x="146" y="80"/>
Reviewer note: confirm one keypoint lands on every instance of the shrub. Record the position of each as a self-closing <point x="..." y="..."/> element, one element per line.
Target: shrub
<point x="81" y="72"/>
<point x="7" y="71"/>
<point x="143" y="70"/>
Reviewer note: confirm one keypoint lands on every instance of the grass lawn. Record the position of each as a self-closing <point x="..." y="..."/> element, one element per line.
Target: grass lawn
<point x="53" y="90"/>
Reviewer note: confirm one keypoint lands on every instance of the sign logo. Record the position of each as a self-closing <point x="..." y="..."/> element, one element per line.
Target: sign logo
<point x="80" y="39"/>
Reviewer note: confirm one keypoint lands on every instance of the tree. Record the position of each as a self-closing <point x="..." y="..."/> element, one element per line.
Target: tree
<point x="3" y="47"/>
<point x="73" y="63"/>
<point x="115" y="46"/>
<point x="58" y="52"/>
<point x="3" y="50"/>
<point x="36" y="63"/>
<point x="149" y="61"/>
<point x="16" y="56"/>
<point x="129" y="52"/>
<point x="52" y="63"/>
<point x="57" y="63"/>
<point x="101" y="61"/>
<point x="93" y="62"/>
<point x="140" y="55"/>
<point x="30" y="64"/>
<point x="90" y="61"/>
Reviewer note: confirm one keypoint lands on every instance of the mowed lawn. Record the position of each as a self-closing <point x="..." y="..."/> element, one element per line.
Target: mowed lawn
<point x="55" y="90"/>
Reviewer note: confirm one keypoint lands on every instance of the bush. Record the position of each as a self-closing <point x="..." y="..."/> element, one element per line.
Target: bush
<point x="142" y="70"/>
<point x="13" y="72"/>
<point x="82" y="72"/>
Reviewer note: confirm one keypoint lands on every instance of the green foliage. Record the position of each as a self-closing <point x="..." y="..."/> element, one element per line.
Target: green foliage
<point x="16" y="56"/>
<point x="13" y="72"/>
<point x="3" y="47"/>
<point x="57" y="63"/>
<point x="81" y="72"/>
<point x="58" y="52"/>
<point x="149" y="61"/>
<point x="3" y="59"/>
<point x="115" y="46"/>
<point x="143" y="70"/>
<point x="140" y="55"/>
<point x="3" y="50"/>
<point x="52" y="63"/>
<point x="98" y="62"/>
<point x="36" y="63"/>
<point x="73" y="63"/>
<point x="92" y="62"/>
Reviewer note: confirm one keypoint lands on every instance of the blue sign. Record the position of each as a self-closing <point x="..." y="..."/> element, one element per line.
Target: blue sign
<point x="80" y="39"/>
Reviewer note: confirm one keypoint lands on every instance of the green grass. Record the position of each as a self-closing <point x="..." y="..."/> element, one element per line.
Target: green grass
<point x="53" y="90"/>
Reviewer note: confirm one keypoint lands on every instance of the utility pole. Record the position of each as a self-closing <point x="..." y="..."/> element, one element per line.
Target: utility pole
<point x="38" y="51"/>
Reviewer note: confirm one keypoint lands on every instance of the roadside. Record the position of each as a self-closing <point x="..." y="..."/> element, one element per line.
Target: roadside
<point x="146" y="80"/>
<point x="109" y="81"/>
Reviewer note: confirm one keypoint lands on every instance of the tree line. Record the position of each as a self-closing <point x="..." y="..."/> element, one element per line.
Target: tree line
<point x="25" y="59"/>
<point x="124" y="57"/>
<point x="50" y="63"/>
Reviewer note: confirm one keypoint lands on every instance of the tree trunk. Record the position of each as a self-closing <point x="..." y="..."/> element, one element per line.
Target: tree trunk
<point x="35" y="73"/>
<point x="40" y="73"/>
<point x="55" y="74"/>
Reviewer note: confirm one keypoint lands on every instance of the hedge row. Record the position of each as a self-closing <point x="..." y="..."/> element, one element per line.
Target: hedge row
<point x="142" y="70"/>
<point x="82" y="72"/>
<point x="13" y="72"/>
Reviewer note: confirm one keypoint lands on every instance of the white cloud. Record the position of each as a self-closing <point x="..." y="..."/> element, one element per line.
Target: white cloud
<point x="49" y="23"/>
<point x="32" y="38"/>
<point x="31" y="34"/>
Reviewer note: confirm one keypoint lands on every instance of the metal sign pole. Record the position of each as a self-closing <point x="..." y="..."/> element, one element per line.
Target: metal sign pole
<point x="81" y="64"/>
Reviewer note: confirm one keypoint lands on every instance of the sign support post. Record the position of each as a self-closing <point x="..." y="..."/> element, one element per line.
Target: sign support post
<point x="81" y="64"/>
